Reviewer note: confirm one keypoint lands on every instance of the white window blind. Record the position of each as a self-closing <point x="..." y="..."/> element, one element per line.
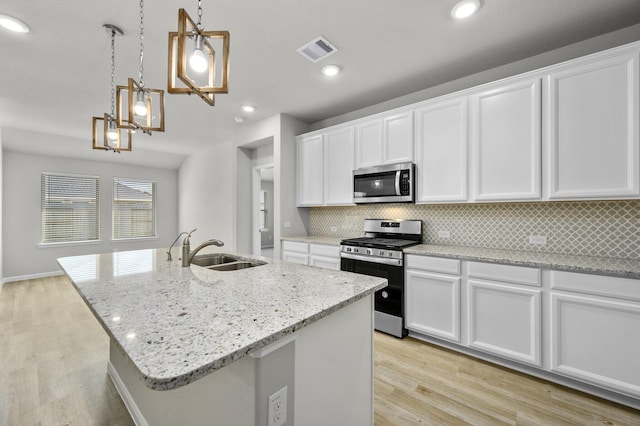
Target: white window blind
<point x="134" y="208"/>
<point x="69" y="208"/>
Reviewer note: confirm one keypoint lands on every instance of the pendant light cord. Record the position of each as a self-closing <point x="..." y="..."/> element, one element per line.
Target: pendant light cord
<point x="141" y="82"/>
<point x="200" y="15"/>
<point x="113" y="72"/>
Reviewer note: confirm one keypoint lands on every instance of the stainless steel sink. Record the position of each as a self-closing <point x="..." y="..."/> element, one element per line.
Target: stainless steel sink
<point x="206" y="260"/>
<point x="243" y="264"/>
<point x="224" y="262"/>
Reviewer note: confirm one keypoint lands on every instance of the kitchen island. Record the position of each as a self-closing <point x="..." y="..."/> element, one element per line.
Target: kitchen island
<point x="194" y="346"/>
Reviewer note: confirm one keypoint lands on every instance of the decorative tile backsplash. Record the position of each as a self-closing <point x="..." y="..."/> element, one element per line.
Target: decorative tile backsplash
<point x="586" y="228"/>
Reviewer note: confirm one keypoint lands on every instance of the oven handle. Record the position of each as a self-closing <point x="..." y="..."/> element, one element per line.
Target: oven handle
<point x="385" y="261"/>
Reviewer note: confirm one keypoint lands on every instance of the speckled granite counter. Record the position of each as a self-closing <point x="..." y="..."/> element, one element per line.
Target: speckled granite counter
<point x="330" y="241"/>
<point x="591" y="265"/>
<point x="179" y="324"/>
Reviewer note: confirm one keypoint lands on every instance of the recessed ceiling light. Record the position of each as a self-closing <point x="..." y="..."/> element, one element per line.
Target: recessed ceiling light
<point x="248" y="108"/>
<point x="13" y="24"/>
<point x="330" y="70"/>
<point x="465" y="8"/>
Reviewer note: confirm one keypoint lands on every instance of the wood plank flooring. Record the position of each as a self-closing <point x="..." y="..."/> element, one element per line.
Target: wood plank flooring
<point x="53" y="356"/>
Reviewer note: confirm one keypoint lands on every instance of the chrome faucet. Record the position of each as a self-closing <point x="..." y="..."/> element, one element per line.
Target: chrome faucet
<point x="173" y="244"/>
<point x="187" y="254"/>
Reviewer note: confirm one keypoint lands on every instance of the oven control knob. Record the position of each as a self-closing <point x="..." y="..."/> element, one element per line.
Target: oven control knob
<point x="390" y="254"/>
<point x="369" y="251"/>
<point x="348" y="248"/>
<point x="381" y="253"/>
<point x="385" y="295"/>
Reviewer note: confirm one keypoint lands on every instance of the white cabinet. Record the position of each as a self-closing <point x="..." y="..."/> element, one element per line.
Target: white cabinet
<point x="320" y="255"/>
<point x="441" y="151"/>
<point x="506" y="137"/>
<point x="593" y="119"/>
<point x="325" y="166"/>
<point x="296" y="252"/>
<point x="432" y="299"/>
<point x="595" y="338"/>
<point x="310" y="170"/>
<point x="384" y="140"/>
<point x="338" y="166"/>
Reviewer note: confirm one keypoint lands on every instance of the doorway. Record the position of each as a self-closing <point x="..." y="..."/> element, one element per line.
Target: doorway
<point x="263" y="210"/>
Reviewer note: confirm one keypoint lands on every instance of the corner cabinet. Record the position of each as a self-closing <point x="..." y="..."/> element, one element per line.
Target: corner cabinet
<point x="384" y="140"/>
<point x="593" y="126"/>
<point x="506" y="136"/>
<point x="325" y="167"/>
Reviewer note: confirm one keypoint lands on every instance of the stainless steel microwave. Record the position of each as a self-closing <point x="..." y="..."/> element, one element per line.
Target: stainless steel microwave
<point x="391" y="183"/>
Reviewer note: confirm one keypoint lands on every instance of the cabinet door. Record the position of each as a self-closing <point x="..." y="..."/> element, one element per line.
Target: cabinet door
<point x="593" y="130"/>
<point x="369" y="144"/>
<point x="310" y="171"/>
<point x="302" y="259"/>
<point x="505" y="320"/>
<point x="441" y="151"/>
<point x="507" y="142"/>
<point x="596" y="340"/>
<point x="398" y="137"/>
<point x="338" y="167"/>
<point x="433" y="304"/>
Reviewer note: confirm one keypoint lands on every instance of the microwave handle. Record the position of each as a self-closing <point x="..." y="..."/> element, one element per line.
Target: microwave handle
<point x="398" y="174"/>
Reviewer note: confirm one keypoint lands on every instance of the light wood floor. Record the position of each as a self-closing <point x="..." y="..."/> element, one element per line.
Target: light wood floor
<point x="53" y="357"/>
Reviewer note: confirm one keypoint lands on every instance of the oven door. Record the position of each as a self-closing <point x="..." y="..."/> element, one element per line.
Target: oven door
<point x="389" y="302"/>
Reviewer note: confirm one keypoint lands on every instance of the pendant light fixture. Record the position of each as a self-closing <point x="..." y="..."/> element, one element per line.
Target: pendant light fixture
<point x="193" y="62"/>
<point x="138" y="106"/>
<point x="106" y="134"/>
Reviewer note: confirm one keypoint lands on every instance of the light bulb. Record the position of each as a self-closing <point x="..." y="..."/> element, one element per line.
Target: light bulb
<point x="140" y="107"/>
<point x="198" y="61"/>
<point x="112" y="132"/>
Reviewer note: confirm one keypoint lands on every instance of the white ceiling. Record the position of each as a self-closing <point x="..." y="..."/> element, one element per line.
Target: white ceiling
<point x="54" y="79"/>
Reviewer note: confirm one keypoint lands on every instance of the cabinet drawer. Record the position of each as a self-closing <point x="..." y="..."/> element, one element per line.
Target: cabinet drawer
<point x="434" y="264"/>
<point x="325" y="262"/>
<point x="505" y="273"/>
<point x="295" y="246"/>
<point x="324" y="250"/>
<point x="625" y="288"/>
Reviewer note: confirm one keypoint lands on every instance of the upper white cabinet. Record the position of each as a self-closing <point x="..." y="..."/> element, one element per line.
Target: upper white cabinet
<point x="385" y="140"/>
<point x="441" y="151"/>
<point x="310" y="170"/>
<point x="592" y="138"/>
<point x="506" y="136"/>
<point x="325" y="166"/>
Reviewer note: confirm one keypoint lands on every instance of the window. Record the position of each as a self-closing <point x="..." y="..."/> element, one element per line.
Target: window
<point x="263" y="209"/>
<point x="134" y="208"/>
<point x="69" y="208"/>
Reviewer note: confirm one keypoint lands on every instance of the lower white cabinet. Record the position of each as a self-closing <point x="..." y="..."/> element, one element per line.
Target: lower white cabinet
<point x="594" y="338"/>
<point x="320" y="255"/>
<point x="505" y="320"/>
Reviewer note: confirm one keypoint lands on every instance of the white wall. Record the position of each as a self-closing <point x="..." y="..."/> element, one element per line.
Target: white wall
<point x="206" y="195"/>
<point x="22" y="258"/>
<point x="1" y="196"/>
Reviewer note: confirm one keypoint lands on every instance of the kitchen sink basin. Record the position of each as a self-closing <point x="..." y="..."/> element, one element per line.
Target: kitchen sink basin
<point x="207" y="260"/>
<point x="224" y="262"/>
<point x="234" y="266"/>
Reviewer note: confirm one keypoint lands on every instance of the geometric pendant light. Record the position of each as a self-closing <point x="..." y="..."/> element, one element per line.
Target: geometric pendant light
<point x="106" y="135"/>
<point x="140" y="107"/>
<point x="193" y="67"/>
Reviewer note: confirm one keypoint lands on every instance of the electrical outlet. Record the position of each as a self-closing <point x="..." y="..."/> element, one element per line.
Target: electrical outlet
<point x="333" y="229"/>
<point x="287" y="225"/>
<point x="444" y="234"/>
<point x="278" y="408"/>
<point x="540" y="240"/>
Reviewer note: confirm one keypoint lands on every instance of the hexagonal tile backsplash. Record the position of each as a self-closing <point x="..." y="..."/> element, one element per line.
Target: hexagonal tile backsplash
<point x="587" y="228"/>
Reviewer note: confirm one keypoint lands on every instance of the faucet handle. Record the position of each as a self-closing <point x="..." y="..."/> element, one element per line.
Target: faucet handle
<point x="186" y="239"/>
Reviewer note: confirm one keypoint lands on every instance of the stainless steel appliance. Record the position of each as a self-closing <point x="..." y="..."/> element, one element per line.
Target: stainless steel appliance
<point x="391" y="183"/>
<point x="379" y="254"/>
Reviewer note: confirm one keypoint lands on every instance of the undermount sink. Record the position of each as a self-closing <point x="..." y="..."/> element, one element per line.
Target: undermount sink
<point x="224" y="262"/>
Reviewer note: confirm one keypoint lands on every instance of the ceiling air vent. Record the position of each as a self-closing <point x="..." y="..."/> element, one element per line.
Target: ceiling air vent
<point x="317" y="49"/>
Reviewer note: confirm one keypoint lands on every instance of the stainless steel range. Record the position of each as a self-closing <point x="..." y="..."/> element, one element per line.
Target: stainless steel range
<point x="379" y="253"/>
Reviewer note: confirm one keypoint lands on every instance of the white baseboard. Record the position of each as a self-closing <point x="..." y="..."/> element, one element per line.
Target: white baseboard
<point x="134" y="411"/>
<point x="31" y="276"/>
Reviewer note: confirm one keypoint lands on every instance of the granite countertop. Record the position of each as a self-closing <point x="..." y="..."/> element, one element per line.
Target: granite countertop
<point x="178" y="324"/>
<point x="626" y="268"/>
<point x="330" y="241"/>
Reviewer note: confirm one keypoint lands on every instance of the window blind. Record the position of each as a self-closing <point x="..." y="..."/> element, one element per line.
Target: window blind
<point x="69" y="208"/>
<point x="134" y="208"/>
